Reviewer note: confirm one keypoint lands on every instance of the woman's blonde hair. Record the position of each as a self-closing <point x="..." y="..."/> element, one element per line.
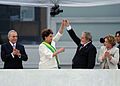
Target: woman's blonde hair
<point x="111" y="40"/>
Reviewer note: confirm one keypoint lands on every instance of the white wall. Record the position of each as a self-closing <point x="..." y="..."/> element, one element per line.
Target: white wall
<point x="68" y="77"/>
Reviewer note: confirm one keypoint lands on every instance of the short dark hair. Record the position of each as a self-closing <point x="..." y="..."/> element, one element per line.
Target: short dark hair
<point x="46" y="33"/>
<point x="118" y="32"/>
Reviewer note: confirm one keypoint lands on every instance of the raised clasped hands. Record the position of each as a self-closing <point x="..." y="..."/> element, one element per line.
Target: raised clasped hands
<point x="65" y="23"/>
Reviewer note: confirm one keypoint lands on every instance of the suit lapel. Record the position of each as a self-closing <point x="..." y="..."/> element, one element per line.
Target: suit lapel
<point x="85" y="47"/>
<point x="9" y="46"/>
<point x="17" y="46"/>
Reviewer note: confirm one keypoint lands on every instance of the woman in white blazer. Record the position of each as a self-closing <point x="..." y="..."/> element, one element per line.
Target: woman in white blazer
<point x="47" y="49"/>
<point x="109" y="54"/>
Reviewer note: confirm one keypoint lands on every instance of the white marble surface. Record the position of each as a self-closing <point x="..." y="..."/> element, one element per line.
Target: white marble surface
<point x="37" y="77"/>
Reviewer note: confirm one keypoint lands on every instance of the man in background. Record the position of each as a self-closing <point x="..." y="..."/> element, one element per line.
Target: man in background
<point x="13" y="53"/>
<point x="117" y="36"/>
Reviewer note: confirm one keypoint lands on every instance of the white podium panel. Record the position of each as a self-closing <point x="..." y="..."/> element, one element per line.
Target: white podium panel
<point x="37" y="77"/>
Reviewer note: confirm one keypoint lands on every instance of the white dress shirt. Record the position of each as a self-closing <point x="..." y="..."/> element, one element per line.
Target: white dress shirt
<point x="112" y="64"/>
<point x="14" y="46"/>
<point x="47" y="61"/>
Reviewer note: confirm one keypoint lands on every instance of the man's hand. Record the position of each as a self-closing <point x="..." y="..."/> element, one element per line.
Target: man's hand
<point x="64" y="24"/>
<point x="67" y="23"/>
<point x="16" y="52"/>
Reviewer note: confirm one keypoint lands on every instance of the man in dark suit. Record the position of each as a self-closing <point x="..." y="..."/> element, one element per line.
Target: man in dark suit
<point x="117" y="36"/>
<point x="86" y="51"/>
<point x="13" y="53"/>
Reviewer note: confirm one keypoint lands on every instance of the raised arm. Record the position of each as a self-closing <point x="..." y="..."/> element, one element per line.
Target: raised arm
<point x="60" y="32"/>
<point x="72" y="33"/>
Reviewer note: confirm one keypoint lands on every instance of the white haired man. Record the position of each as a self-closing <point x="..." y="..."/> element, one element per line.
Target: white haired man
<point x="13" y="53"/>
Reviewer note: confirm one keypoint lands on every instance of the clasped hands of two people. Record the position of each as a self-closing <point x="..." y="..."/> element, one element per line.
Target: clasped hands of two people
<point x="64" y="24"/>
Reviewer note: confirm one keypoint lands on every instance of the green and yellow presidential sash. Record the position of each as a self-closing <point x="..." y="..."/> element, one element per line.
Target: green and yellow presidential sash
<point x="52" y="49"/>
